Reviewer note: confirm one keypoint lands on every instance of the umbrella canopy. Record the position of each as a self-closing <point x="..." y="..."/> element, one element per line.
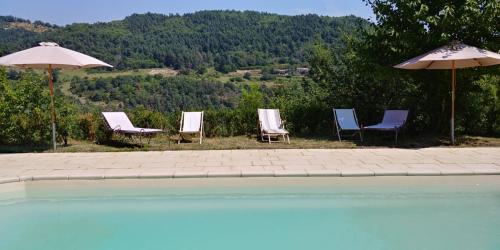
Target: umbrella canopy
<point x="462" y="55"/>
<point x="49" y="53"/>
<point x="50" y="56"/>
<point x="454" y="56"/>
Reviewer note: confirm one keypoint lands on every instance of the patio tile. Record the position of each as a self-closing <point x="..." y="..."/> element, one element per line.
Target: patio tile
<point x="485" y="171"/>
<point x="25" y="178"/>
<point x="302" y="167"/>
<point x="290" y="173"/>
<point x="9" y="180"/>
<point x="49" y="177"/>
<point x="423" y="172"/>
<point x="226" y="173"/>
<point x="356" y="172"/>
<point x="390" y="172"/>
<point x="157" y="174"/>
<point x="190" y="174"/>
<point x="257" y="173"/>
<point x="456" y="171"/>
<point x="86" y="177"/>
<point x="323" y="172"/>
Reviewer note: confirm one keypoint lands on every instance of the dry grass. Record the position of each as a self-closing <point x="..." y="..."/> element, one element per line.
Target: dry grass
<point x="70" y="73"/>
<point x="163" y="142"/>
<point x="218" y="143"/>
<point x="28" y="27"/>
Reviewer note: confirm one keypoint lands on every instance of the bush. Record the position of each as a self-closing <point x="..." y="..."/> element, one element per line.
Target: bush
<point x="246" y="112"/>
<point x="267" y="77"/>
<point x="103" y="134"/>
<point x="304" y="108"/>
<point x="220" y="122"/>
<point x="236" y="79"/>
<point x="24" y="110"/>
<point x="85" y="127"/>
<point x="141" y="117"/>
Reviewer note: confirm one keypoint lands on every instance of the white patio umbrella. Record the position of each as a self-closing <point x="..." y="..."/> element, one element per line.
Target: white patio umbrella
<point x="50" y="56"/>
<point x="454" y="56"/>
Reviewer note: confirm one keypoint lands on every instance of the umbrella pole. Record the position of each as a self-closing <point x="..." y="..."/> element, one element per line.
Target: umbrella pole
<point x="52" y="107"/>
<point x="452" y="121"/>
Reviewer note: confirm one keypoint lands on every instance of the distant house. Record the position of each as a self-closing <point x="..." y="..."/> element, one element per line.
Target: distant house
<point x="281" y="71"/>
<point x="303" y="71"/>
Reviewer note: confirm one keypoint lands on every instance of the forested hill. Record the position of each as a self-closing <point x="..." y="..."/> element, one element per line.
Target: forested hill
<point x="224" y="39"/>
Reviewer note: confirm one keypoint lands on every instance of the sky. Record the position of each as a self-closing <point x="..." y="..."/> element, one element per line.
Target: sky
<point x="64" y="12"/>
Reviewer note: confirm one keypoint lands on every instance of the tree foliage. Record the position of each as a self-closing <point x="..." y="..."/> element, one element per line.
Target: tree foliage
<point x="358" y="73"/>
<point x="164" y="94"/>
<point x="23" y="110"/>
<point x="224" y="39"/>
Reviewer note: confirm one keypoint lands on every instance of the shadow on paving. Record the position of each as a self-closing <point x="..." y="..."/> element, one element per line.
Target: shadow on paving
<point x="379" y="139"/>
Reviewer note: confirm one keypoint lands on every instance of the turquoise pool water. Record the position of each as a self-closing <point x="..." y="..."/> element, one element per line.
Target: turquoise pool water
<point x="93" y="215"/>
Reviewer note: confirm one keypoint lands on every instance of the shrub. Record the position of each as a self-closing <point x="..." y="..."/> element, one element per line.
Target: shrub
<point x="221" y="122"/>
<point x="246" y="112"/>
<point x="24" y="110"/>
<point x="85" y="127"/>
<point x="142" y="117"/>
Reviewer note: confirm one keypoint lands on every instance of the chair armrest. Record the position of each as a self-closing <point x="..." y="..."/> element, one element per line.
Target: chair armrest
<point x="283" y="122"/>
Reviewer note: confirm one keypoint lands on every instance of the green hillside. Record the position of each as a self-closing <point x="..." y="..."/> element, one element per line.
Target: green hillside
<point x="225" y="40"/>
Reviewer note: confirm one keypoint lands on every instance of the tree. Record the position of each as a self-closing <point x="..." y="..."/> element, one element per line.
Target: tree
<point x="358" y="72"/>
<point x="411" y="27"/>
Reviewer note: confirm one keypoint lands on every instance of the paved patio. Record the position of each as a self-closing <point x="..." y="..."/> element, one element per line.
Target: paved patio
<point x="250" y="163"/>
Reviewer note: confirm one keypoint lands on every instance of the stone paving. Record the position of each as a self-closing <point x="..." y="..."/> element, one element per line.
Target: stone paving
<point x="250" y="163"/>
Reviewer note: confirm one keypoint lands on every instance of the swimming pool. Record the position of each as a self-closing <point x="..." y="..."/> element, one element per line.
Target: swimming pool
<point x="253" y="213"/>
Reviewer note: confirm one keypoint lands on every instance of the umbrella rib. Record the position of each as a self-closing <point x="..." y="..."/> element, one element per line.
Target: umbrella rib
<point x="429" y="65"/>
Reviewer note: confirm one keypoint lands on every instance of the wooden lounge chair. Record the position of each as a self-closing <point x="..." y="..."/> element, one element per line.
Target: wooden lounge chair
<point x="191" y="124"/>
<point x="346" y="120"/>
<point x="119" y="123"/>
<point x="393" y="120"/>
<point x="271" y="125"/>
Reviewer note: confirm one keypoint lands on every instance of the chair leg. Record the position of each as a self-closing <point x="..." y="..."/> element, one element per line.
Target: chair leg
<point x="288" y="137"/>
<point x="338" y="134"/>
<point x="360" y="136"/>
<point x="269" y="138"/>
<point x="200" y="138"/>
<point x="396" y="141"/>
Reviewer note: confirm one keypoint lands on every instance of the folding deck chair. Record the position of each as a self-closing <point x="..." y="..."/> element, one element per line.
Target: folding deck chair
<point x="346" y="120"/>
<point x="191" y="124"/>
<point x="393" y="120"/>
<point x="119" y="123"/>
<point x="271" y="125"/>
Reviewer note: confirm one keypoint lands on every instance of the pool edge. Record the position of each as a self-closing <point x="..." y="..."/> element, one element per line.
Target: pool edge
<point x="245" y="174"/>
